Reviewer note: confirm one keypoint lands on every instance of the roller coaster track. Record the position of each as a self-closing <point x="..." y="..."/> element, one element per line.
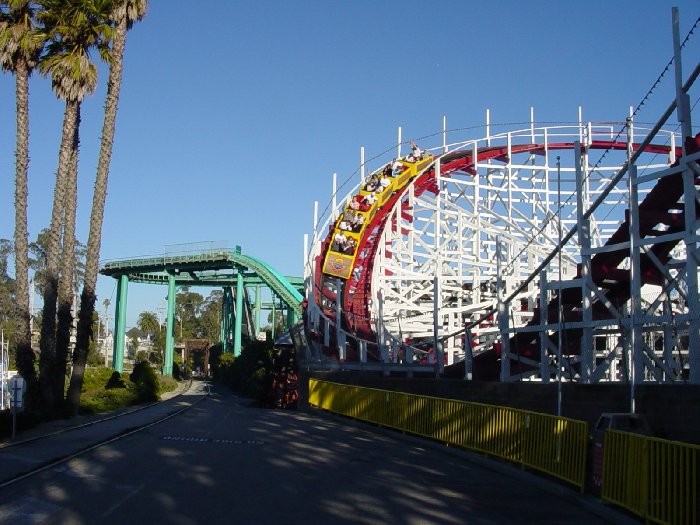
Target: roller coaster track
<point x="661" y="231"/>
<point x="156" y="269"/>
<point x="356" y="293"/>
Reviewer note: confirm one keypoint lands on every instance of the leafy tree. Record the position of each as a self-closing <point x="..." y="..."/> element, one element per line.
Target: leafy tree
<point x="210" y="317"/>
<point x="94" y="356"/>
<point x="158" y="347"/>
<point x="20" y="47"/>
<point x="278" y="325"/>
<point x="197" y="317"/>
<point x="250" y="373"/>
<point x="123" y="15"/>
<point x="7" y="291"/>
<point x="148" y="323"/>
<point x="188" y="306"/>
<point x="73" y="28"/>
<point x="133" y="335"/>
<point x="37" y="261"/>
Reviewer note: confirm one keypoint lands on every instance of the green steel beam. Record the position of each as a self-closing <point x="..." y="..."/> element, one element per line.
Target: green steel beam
<point x="204" y="280"/>
<point x="209" y="261"/>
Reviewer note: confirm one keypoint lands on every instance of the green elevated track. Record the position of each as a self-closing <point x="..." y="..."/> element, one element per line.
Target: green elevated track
<point x="230" y="270"/>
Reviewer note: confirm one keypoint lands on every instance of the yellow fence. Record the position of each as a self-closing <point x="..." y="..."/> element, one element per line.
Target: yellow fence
<point x="653" y="478"/>
<point x="551" y="444"/>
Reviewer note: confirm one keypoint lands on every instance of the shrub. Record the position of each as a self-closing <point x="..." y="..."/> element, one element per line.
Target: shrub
<point x="107" y="400"/>
<point x="222" y="369"/>
<point x="167" y="383"/>
<point x="96" y="378"/>
<point x="146" y="382"/>
<point x="115" y="381"/>
<point x="250" y="373"/>
<point x="105" y="389"/>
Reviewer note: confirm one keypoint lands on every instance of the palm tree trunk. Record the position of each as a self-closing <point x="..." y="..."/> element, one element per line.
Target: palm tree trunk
<point x="88" y="296"/>
<point x="47" y="343"/>
<point x="24" y="353"/>
<point x="66" y="284"/>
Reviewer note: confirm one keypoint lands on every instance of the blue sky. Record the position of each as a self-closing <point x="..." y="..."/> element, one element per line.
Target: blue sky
<point x="234" y="115"/>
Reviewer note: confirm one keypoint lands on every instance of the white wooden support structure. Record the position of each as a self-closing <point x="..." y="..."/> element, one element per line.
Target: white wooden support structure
<point x="584" y="238"/>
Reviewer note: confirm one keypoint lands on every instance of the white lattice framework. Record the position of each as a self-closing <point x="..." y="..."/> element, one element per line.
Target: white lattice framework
<point x="452" y="253"/>
<point x="486" y="232"/>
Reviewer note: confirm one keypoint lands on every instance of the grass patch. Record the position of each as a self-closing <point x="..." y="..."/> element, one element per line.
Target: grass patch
<point x="96" y="379"/>
<point x="167" y="383"/>
<point x="105" y="390"/>
<point x="108" y="400"/>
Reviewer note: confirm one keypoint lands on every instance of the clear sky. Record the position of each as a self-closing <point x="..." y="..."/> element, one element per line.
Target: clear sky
<point x="235" y="114"/>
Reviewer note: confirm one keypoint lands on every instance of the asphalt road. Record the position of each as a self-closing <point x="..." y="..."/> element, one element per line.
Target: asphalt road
<point x="223" y="461"/>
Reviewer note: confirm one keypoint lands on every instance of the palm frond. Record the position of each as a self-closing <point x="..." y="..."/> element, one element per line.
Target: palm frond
<point x="74" y="29"/>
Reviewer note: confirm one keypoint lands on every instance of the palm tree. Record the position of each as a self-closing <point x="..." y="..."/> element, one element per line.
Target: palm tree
<point x="73" y="28"/>
<point x="148" y="322"/>
<point x="124" y="14"/>
<point x="67" y="272"/>
<point x="20" y="47"/>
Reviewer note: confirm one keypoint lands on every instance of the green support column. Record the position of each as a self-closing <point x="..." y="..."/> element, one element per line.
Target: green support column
<point x="258" y="304"/>
<point x="239" y="314"/>
<point x="120" y="324"/>
<point x="274" y="317"/>
<point x="229" y="322"/>
<point x="222" y="314"/>
<point x="170" y="328"/>
<point x="227" y="313"/>
<point x="291" y="317"/>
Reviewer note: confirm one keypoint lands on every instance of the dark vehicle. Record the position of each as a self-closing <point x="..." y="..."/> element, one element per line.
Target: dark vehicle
<point x="622" y="421"/>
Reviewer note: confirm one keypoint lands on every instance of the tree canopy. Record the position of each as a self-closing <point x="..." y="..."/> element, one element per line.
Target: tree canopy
<point x="197" y="317"/>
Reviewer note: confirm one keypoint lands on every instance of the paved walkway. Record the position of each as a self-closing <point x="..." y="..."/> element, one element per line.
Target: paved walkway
<point x="60" y="425"/>
<point x="283" y="467"/>
<point x="54" y="440"/>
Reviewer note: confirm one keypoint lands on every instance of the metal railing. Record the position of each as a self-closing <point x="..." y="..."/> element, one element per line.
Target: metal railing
<point x="554" y="445"/>
<point x="656" y="479"/>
